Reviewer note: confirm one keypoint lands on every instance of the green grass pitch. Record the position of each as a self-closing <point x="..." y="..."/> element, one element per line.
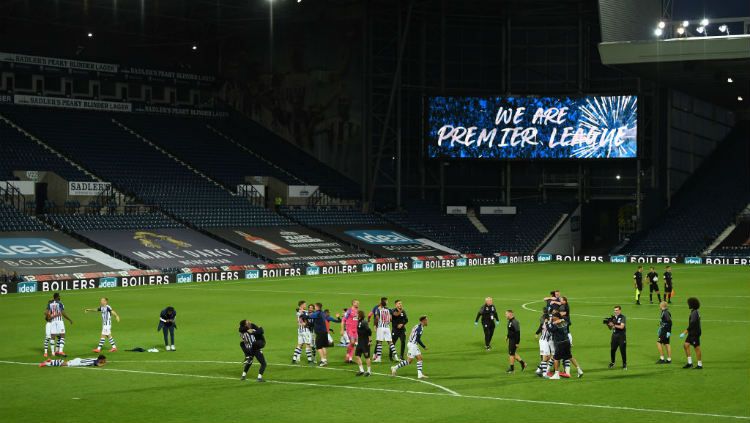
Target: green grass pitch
<point x="200" y="381"/>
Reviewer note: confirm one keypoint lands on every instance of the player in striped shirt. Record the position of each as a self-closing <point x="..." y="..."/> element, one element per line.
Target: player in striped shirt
<point x="412" y="349"/>
<point x="107" y="313"/>
<point x="383" y="332"/>
<point x="56" y="313"/>
<point x="76" y="362"/>
<point x="48" y="342"/>
<point x="304" y="334"/>
<point x="546" y="346"/>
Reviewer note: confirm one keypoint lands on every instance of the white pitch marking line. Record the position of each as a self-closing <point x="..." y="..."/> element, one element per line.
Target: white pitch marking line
<point x="450" y="391"/>
<point x="540" y="402"/>
<point x="525" y="307"/>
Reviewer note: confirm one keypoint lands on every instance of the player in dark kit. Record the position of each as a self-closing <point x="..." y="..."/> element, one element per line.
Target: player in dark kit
<point x="558" y="328"/>
<point x="653" y="285"/>
<point x="489" y="317"/>
<point x="668" y="284"/>
<point x="364" y="333"/>
<point x="638" y="283"/>
<point x="664" y="334"/>
<point x="252" y="343"/>
<point x="693" y="333"/>
<point x="514" y="338"/>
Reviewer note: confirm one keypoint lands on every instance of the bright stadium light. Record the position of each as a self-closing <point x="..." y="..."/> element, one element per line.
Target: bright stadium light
<point x="617" y="177"/>
<point x="730" y="80"/>
<point x="90" y="34"/>
<point x="658" y="32"/>
<point x="681" y="31"/>
<point x="685" y="24"/>
<point x="724" y="29"/>
<point x="661" y="25"/>
<point x="701" y="30"/>
<point x="739" y="98"/>
<point x="704" y="22"/>
<point x="195" y="47"/>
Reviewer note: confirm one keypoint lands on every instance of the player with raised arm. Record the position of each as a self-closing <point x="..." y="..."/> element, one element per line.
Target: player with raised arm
<point x="76" y="362"/>
<point x="304" y="334"/>
<point x="412" y="349"/>
<point x="56" y="313"/>
<point x="383" y="332"/>
<point x="107" y="313"/>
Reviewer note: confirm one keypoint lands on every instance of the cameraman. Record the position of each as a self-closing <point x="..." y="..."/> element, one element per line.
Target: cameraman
<point x="617" y="324"/>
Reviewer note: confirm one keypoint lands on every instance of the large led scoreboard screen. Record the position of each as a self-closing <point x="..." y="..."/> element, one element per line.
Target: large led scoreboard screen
<point x="593" y="127"/>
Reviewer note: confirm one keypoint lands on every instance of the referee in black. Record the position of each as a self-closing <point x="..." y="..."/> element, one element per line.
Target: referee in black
<point x="514" y="338"/>
<point x="252" y="343"/>
<point x="399" y="319"/>
<point x="488" y="313"/>
<point x="618" y="338"/>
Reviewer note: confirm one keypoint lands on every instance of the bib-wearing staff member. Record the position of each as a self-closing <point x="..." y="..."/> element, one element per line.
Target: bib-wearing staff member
<point x="489" y="317"/>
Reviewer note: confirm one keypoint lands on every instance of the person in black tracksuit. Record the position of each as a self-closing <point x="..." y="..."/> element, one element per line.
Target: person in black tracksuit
<point x="693" y="333"/>
<point x="252" y="342"/>
<point x="490" y="319"/>
<point x="618" y="338"/>
<point x="398" y="324"/>
<point x="638" y="283"/>
<point x="514" y="338"/>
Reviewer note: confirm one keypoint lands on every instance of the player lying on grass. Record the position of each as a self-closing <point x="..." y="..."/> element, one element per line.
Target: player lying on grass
<point x="412" y="349"/>
<point x="107" y="313"/>
<point x="76" y="362"/>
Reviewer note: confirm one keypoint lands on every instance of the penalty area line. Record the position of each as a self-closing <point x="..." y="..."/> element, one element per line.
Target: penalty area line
<point x="440" y="394"/>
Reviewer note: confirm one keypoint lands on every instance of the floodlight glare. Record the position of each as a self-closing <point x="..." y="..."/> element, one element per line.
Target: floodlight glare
<point x="724" y="28"/>
<point x="685" y="24"/>
<point x="681" y="31"/>
<point x="658" y="32"/>
<point x="662" y="24"/>
<point x="704" y="22"/>
<point x="701" y="29"/>
<point x="739" y="98"/>
<point x="730" y="80"/>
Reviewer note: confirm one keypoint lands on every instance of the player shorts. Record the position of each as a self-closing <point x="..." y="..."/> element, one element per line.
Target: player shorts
<point x="694" y="340"/>
<point x="546" y="348"/>
<point x="562" y="351"/>
<point x="58" y="327"/>
<point x="663" y="338"/>
<point x="304" y="337"/>
<point x="667" y="288"/>
<point x="48" y="329"/>
<point x="412" y="350"/>
<point x="653" y="287"/>
<point x="321" y="341"/>
<point x="383" y="334"/>
<point x="363" y="349"/>
<point x="512" y="345"/>
<point x="107" y="330"/>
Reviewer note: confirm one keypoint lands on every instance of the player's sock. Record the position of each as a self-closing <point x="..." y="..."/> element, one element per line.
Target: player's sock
<point x="260" y="376"/>
<point x="101" y="343"/>
<point x="393" y="350"/>
<point x="401" y="364"/>
<point x="669" y="359"/>
<point x="55" y="363"/>
<point x="690" y="360"/>
<point x="297" y="353"/>
<point x="700" y="363"/>
<point x="658" y="296"/>
<point x="112" y="342"/>
<point x="650" y="297"/>
<point x="419" y="368"/>
<point x="661" y="357"/>
<point x="61" y="345"/>
<point x="46" y="345"/>
<point x="566" y="363"/>
<point x="308" y="351"/>
<point x="543" y="367"/>
<point x="369" y="369"/>
<point x="349" y="352"/>
<point x="378" y="349"/>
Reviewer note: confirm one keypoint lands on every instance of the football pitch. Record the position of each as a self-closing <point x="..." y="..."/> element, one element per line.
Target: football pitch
<point x="200" y="381"/>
